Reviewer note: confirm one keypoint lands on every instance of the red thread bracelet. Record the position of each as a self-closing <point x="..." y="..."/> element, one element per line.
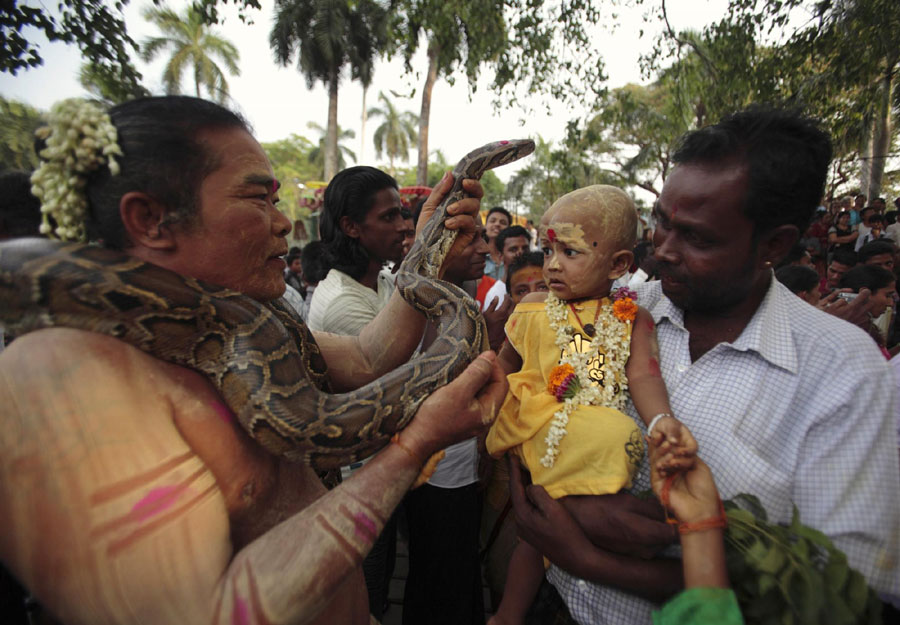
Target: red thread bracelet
<point x="715" y="522"/>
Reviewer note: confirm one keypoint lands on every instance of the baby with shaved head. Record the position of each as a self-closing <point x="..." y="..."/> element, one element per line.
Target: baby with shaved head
<point x="573" y="357"/>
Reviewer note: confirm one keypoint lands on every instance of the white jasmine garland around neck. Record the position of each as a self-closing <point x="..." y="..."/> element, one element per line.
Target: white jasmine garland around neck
<point x="79" y="138"/>
<point x="612" y="334"/>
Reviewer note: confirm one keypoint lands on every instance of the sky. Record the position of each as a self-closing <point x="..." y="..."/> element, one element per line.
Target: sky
<point x="277" y="102"/>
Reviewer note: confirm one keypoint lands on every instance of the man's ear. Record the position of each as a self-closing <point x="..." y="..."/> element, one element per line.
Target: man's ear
<point x="775" y="245"/>
<point x="349" y="227"/>
<point x="144" y="219"/>
<point x="621" y="262"/>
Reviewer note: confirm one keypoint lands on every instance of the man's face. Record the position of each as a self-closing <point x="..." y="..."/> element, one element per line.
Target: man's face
<point x="882" y="260"/>
<point x="494" y="224"/>
<point x="409" y="236"/>
<point x="704" y="247"/>
<point x="469" y="264"/>
<point x="239" y="235"/>
<point x="513" y="247"/>
<point x="383" y="229"/>
<point x="528" y="279"/>
<point x="866" y="215"/>
<point x="834" y="274"/>
<point x="881" y="300"/>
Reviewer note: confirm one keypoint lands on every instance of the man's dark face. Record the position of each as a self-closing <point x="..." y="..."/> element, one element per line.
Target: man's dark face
<point x="834" y="274"/>
<point x="469" y="263"/>
<point x="382" y="230"/>
<point x="513" y="247"/>
<point x="866" y="216"/>
<point x="882" y="260"/>
<point x="704" y="247"/>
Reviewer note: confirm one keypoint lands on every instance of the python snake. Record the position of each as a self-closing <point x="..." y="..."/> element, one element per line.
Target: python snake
<point x="260" y="356"/>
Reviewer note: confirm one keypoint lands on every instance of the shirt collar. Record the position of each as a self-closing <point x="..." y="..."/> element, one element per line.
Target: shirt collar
<point x="768" y="333"/>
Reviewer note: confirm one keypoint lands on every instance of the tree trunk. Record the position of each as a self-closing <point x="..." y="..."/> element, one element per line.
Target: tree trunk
<point x="331" y="137"/>
<point x="422" y="169"/>
<point x="362" y="130"/>
<point x="881" y="137"/>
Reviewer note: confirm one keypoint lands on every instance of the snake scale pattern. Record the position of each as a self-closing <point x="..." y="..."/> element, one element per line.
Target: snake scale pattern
<point x="261" y="357"/>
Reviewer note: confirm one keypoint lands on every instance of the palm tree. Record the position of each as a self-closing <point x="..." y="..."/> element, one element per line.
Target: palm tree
<point x="317" y="154"/>
<point x="193" y="44"/>
<point x="396" y="134"/>
<point x="327" y="34"/>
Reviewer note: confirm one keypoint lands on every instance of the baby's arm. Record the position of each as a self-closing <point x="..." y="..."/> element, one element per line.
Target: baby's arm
<point x="648" y="392"/>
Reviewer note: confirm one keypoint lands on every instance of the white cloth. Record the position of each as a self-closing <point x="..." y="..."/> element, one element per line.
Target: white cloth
<point x="800" y="409"/>
<point x="294" y="298"/>
<point x="863" y="237"/>
<point x="893" y="232"/>
<point x="344" y="306"/>
<point x="498" y="290"/>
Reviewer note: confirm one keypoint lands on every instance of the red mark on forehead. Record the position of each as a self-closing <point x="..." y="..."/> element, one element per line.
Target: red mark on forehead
<point x="365" y="528"/>
<point x="551" y="234"/>
<point x="274" y="186"/>
<point x="654" y="368"/>
<point x="504" y="142"/>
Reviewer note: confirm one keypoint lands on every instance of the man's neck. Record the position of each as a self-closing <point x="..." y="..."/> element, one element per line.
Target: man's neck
<point x="370" y="277"/>
<point x="724" y="326"/>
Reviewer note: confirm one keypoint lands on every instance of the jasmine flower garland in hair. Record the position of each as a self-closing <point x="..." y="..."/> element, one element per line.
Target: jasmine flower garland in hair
<point x="570" y="381"/>
<point x="79" y="139"/>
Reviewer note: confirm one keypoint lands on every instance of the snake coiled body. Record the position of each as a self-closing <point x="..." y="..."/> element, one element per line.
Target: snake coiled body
<point x="261" y="357"/>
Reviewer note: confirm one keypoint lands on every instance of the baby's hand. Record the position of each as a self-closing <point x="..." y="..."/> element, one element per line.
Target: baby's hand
<point x="680" y="445"/>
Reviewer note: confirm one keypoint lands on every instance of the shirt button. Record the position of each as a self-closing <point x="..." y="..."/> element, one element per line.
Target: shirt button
<point x="682" y="368"/>
<point x="582" y="584"/>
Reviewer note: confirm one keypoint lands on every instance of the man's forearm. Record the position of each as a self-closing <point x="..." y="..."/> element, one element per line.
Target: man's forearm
<point x="656" y="580"/>
<point x="392" y="336"/>
<point x="291" y="573"/>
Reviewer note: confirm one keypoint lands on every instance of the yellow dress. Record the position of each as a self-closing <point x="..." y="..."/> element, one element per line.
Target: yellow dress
<point x="602" y="447"/>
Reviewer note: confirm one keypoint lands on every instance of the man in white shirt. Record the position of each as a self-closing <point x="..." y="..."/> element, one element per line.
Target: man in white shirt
<point x="748" y="367"/>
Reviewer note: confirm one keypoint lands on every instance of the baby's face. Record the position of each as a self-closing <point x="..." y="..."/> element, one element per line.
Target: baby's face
<point x="582" y="254"/>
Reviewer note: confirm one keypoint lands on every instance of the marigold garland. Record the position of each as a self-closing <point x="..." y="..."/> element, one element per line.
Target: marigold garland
<point x="625" y="309"/>
<point x="570" y="381"/>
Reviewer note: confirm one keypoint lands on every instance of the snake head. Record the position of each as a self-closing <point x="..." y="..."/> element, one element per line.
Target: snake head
<point x="492" y="155"/>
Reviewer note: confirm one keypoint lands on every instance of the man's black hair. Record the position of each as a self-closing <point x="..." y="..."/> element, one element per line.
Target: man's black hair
<point x="798" y="278"/>
<point x="845" y="257"/>
<point x="500" y="209"/>
<point x="874" y="248"/>
<point x="312" y="261"/>
<point x="890" y="217"/>
<point x="528" y="259"/>
<point x="510" y="233"/>
<point x="163" y="156"/>
<point x="876" y="218"/>
<point x="786" y="156"/>
<point x="20" y="211"/>
<point x="872" y="277"/>
<point x="351" y="193"/>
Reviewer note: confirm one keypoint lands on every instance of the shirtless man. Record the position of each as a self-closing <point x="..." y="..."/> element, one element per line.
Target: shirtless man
<point x="128" y="491"/>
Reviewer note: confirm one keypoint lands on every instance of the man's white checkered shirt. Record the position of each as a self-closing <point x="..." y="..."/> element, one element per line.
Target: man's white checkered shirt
<point x="798" y="410"/>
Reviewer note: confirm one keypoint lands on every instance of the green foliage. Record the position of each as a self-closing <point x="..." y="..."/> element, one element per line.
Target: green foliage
<point x="18" y="122"/>
<point x="95" y="27"/>
<point x="193" y="44"/>
<point x="291" y="161"/>
<point x="106" y="85"/>
<point x="551" y="173"/>
<point x="326" y="35"/>
<point x="791" y="573"/>
<point x="396" y="134"/>
<point x="316" y="156"/>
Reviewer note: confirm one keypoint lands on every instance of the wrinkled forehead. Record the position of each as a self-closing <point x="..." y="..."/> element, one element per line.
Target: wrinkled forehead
<point x="601" y="211"/>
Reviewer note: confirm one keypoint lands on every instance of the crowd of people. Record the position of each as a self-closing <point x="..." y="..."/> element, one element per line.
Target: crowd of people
<point x="740" y="345"/>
